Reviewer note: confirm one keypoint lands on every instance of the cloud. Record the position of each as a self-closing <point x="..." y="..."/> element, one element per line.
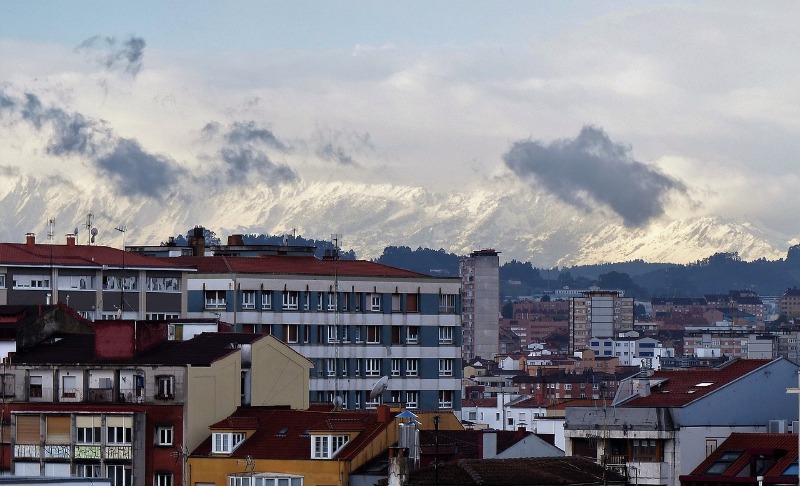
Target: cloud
<point x="243" y="162"/>
<point x="137" y="172"/>
<point x="248" y="132"/>
<point x="134" y="170"/>
<point x="114" y="54"/>
<point x="592" y="169"/>
<point x="336" y="154"/>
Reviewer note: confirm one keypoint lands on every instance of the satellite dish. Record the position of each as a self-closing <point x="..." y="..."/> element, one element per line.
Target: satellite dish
<point x="75" y="231"/>
<point x="337" y="402"/>
<point x="379" y="388"/>
<point x="94" y="233"/>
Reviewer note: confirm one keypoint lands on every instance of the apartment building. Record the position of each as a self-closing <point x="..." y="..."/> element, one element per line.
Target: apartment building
<point x="598" y="313"/>
<point x="99" y="282"/>
<point x="357" y="321"/>
<point x="122" y="402"/>
<point x="480" y="306"/>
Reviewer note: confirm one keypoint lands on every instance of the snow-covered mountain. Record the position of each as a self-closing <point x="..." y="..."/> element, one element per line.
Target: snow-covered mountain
<point x="522" y="225"/>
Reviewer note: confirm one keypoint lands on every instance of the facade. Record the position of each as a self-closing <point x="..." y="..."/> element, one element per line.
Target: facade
<point x="642" y="352"/>
<point x="662" y="426"/>
<point x="735" y="344"/>
<point x="789" y="303"/>
<point x="97" y="281"/>
<point x="480" y="282"/>
<point x="357" y="321"/>
<point x="598" y="313"/>
<point x="126" y="404"/>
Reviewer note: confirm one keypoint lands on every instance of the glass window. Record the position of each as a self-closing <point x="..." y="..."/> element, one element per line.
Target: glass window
<point x="373" y="334"/>
<point x="372" y="367"/>
<point x="445" y="367"/>
<point x="445" y="398"/>
<point x="165" y="386"/>
<point x="412" y="367"/>
<point x="162" y="479"/>
<point x="375" y="303"/>
<point x="266" y="300"/>
<point x="291" y="300"/>
<point x="396" y="366"/>
<point x="447" y="304"/>
<point x="164" y="435"/>
<point x="412" y="335"/>
<point x="248" y="299"/>
<point x="412" y="399"/>
<point x="291" y="332"/>
<point x="215" y="299"/>
<point x="445" y="335"/>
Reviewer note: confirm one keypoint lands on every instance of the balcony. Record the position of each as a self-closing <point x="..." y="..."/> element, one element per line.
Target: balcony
<point x="100" y="394"/>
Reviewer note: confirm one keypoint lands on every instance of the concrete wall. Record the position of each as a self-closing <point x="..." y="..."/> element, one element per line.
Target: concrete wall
<point x="213" y="393"/>
<point x="280" y="376"/>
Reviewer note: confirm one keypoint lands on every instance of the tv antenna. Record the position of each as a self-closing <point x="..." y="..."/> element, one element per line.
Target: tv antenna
<point x="52" y="229"/>
<point x="75" y="232"/>
<point x="90" y="228"/>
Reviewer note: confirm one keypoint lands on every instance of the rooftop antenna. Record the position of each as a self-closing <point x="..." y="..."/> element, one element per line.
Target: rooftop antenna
<point x="75" y="232"/>
<point x="379" y="387"/>
<point x="52" y="230"/>
<point x="92" y="231"/>
<point x="94" y="234"/>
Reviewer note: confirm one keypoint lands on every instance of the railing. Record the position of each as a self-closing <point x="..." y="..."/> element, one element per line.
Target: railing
<point x="100" y="394"/>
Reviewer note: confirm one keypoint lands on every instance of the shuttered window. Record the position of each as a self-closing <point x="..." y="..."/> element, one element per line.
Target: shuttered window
<point x="28" y="429"/>
<point x="58" y="430"/>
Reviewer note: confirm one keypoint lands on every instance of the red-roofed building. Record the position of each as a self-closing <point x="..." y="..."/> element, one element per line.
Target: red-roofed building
<point x="357" y="321"/>
<point x="97" y="281"/>
<point x="305" y="447"/>
<point x="748" y="459"/>
<point x="661" y="425"/>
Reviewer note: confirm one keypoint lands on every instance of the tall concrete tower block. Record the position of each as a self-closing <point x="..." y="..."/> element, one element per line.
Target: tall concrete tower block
<point x="598" y="313"/>
<point x="480" y="311"/>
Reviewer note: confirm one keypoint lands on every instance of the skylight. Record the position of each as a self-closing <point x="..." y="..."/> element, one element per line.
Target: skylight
<point x="705" y="383"/>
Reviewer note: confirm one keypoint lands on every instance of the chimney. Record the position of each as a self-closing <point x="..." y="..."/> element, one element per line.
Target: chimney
<point x="198" y="241"/>
<point x="236" y="240"/>
<point x="384" y="414"/>
<point x="521" y="433"/>
<point x="488" y="447"/>
<point x="644" y="387"/>
<point x="71" y="239"/>
<point x="30" y="239"/>
<point x="398" y="466"/>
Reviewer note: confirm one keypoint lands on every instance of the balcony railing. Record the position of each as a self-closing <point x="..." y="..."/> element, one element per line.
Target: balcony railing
<point x="100" y="394"/>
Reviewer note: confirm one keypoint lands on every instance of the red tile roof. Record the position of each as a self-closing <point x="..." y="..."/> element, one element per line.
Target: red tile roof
<point x="292" y="265"/>
<point x="783" y="447"/>
<point x="284" y="434"/>
<point x="676" y="388"/>
<point x="78" y="256"/>
<point x="479" y="402"/>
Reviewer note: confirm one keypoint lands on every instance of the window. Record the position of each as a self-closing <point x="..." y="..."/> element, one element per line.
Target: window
<point x="395" y="302"/>
<point x="164" y="435"/>
<point x="445" y="335"/>
<point x="396" y="366"/>
<point x="266" y="300"/>
<point x="119" y="430"/>
<point x="163" y="284"/>
<point x="119" y="474"/>
<point x="31" y="282"/>
<point x="333" y="335"/>
<point x="412" y="334"/>
<point x="160" y="316"/>
<point x="76" y="282"/>
<point x="645" y="450"/>
<point x="331" y="301"/>
<point x="445" y="398"/>
<point x="412" y="302"/>
<point x="345" y="334"/>
<point x="358" y="334"/>
<point x="165" y="386"/>
<point x="291" y="299"/>
<point x="162" y="479"/>
<point x="291" y="332"/>
<point x="2" y="281"/>
<point x="226" y="442"/>
<point x="261" y="480"/>
<point x="248" y="299"/>
<point x="412" y="399"/>
<point x="375" y="302"/>
<point x="373" y="334"/>
<point x="307" y="301"/>
<point x="445" y="367"/>
<point x="447" y="304"/>
<point x="412" y="367"/>
<point x="69" y="386"/>
<point x="344" y="299"/>
<point x="395" y="334"/>
<point x="359" y="296"/>
<point x="88" y="429"/>
<point x="215" y="299"/>
<point x="319" y="301"/>
<point x="372" y="366"/>
<point x="88" y="471"/>
<point x="327" y="446"/>
<point x="331" y="367"/>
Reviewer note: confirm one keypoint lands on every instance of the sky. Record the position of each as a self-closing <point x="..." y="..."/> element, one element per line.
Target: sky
<point x="654" y="110"/>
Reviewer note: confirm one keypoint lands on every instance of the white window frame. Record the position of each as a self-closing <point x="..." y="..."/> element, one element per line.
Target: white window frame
<point x="333" y="335"/>
<point x="88" y="470"/>
<point x="445" y="398"/>
<point x="375" y="338"/>
<point x="266" y="300"/>
<point x="216" y="299"/>
<point x="327" y="446"/>
<point x="412" y="399"/>
<point x="396" y="365"/>
<point x="125" y="479"/>
<point x="290" y="300"/>
<point x="248" y="299"/>
<point x="375" y="302"/>
<point x="32" y="282"/>
<point x="331" y="301"/>
<point x="165" y="386"/>
<point x="447" y="304"/>
<point x="163" y="479"/>
<point x="288" y="328"/>
<point x="2" y="280"/>
<point x="445" y="367"/>
<point x="320" y="297"/>
<point x="372" y="367"/>
<point x="330" y="367"/>
<point x="445" y="335"/>
<point x="226" y="442"/>
<point x="412" y="366"/>
<point x="412" y="334"/>
<point x="165" y="435"/>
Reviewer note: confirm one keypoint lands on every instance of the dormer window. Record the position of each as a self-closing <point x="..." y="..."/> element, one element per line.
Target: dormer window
<point x="226" y="442"/>
<point x="327" y="446"/>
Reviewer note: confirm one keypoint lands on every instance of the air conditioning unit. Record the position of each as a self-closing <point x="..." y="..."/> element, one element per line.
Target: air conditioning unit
<point x="777" y="427"/>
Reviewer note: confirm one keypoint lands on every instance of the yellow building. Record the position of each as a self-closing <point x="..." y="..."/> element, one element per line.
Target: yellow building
<point x="271" y="446"/>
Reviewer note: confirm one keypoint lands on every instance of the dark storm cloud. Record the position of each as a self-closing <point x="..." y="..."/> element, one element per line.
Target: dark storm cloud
<point x="242" y="163"/>
<point x="592" y="169"/>
<point x="248" y="132"/>
<point x="335" y="153"/>
<point x="137" y="172"/>
<point x="133" y="170"/>
<point x="115" y="54"/>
